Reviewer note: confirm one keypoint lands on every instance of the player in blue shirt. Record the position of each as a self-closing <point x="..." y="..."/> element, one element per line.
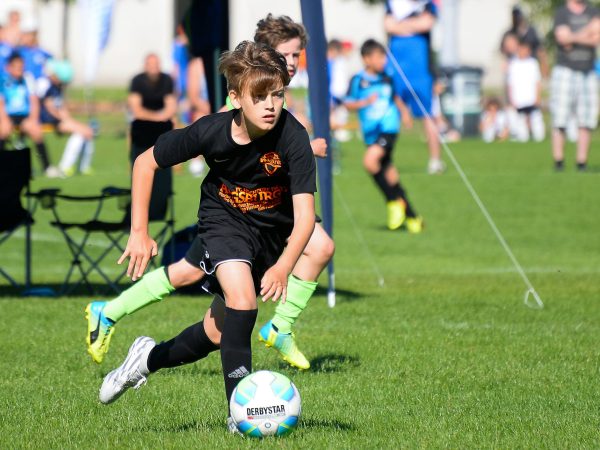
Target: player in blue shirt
<point x="23" y="109"/>
<point x="372" y="94"/>
<point x="409" y="23"/>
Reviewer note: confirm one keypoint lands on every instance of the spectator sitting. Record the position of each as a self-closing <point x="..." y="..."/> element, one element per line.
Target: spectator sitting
<point x="23" y="109"/>
<point x="50" y="90"/>
<point x="494" y="123"/>
<point x="34" y="56"/>
<point x="524" y="92"/>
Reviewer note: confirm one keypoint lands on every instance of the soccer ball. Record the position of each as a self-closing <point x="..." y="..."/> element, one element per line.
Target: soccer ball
<point x="265" y="403"/>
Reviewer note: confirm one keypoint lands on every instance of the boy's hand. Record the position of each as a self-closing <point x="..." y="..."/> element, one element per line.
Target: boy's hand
<point x="140" y="248"/>
<point x="407" y="121"/>
<point x="319" y="147"/>
<point x="371" y="99"/>
<point x="274" y="284"/>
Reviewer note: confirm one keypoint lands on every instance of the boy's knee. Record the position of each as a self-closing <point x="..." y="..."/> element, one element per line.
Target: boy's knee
<point x="327" y="249"/>
<point x="182" y="273"/>
<point x="322" y="251"/>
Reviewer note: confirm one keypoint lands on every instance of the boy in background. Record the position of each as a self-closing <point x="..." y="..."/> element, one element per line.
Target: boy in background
<point x="371" y="93"/>
<point x="524" y="82"/>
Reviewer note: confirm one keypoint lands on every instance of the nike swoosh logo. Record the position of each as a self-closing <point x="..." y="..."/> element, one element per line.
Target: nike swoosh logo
<point x="221" y="160"/>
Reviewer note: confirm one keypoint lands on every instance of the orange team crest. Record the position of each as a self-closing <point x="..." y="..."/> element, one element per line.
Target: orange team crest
<point x="271" y="162"/>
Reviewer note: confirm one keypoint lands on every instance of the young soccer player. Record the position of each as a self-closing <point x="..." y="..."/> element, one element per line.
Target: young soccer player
<point x="372" y="93"/>
<point x="256" y="216"/>
<point x="288" y="38"/>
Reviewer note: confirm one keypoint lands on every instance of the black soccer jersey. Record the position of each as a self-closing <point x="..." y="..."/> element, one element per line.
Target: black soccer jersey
<point x="253" y="183"/>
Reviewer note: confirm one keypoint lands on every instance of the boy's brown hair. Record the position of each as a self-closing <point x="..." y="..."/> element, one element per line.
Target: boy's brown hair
<point x="272" y="31"/>
<point x="254" y="68"/>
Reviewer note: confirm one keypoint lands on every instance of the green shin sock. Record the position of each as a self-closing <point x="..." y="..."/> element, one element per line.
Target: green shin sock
<point x="150" y="289"/>
<point x="299" y="293"/>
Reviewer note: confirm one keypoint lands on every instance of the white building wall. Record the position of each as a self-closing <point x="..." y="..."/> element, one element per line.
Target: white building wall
<point x="138" y="28"/>
<point x="143" y="26"/>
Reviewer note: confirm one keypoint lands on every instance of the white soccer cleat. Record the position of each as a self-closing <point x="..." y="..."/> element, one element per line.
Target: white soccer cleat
<point x="436" y="167"/>
<point x="132" y="373"/>
<point x="232" y="427"/>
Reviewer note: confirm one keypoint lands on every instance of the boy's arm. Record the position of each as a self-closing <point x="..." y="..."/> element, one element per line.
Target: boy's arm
<point x="274" y="282"/>
<point x="319" y="147"/>
<point x="140" y="246"/>
<point x="407" y="119"/>
<point x="354" y="105"/>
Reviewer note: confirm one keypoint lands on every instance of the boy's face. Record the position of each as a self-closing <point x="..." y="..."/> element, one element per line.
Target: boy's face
<point x="524" y="51"/>
<point x="15" y="68"/>
<point x="291" y="51"/>
<point x="375" y="61"/>
<point x="261" y="112"/>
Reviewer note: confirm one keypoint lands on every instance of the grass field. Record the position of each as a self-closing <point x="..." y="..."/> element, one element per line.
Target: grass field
<point x="444" y="355"/>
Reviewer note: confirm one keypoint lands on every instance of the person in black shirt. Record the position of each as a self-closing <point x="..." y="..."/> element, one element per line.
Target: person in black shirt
<point x="152" y="104"/>
<point x="521" y="30"/>
<point x="256" y="215"/>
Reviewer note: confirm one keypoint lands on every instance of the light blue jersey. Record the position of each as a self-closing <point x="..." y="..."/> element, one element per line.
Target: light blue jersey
<point x="16" y="95"/>
<point x="381" y="116"/>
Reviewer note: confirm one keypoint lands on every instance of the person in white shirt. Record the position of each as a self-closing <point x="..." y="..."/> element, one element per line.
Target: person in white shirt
<point x="524" y="93"/>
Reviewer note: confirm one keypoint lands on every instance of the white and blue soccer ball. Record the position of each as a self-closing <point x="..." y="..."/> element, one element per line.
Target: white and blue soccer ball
<point x="265" y="403"/>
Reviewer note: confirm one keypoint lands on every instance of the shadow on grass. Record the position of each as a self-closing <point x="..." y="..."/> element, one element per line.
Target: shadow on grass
<point x="326" y="424"/>
<point x="333" y="362"/>
<point x="56" y="290"/>
<point x="185" y="427"/>
<point x="344" y="294"/>
<point x="219" y="425"/>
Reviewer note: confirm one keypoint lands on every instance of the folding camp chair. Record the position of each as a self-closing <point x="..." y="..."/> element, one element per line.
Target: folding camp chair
<point x="103" y="223"/>
<point x="15" y="173"/>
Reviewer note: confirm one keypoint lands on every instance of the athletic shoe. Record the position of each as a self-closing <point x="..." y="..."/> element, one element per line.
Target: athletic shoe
<point x="414" y="225"/>
<point x="54" y="172"/>
<point x="396" y="213"/>
<point x="132" y="373"/>
<point x="232" y="427"/>
<point x="68" y="171"/>
<point x="100" y="330"/>
<point x="284" y="344"/>
<point x="436" y="167"/>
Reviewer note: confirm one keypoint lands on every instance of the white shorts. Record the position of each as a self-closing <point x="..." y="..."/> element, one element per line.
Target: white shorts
<point x="573" y="94"/>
